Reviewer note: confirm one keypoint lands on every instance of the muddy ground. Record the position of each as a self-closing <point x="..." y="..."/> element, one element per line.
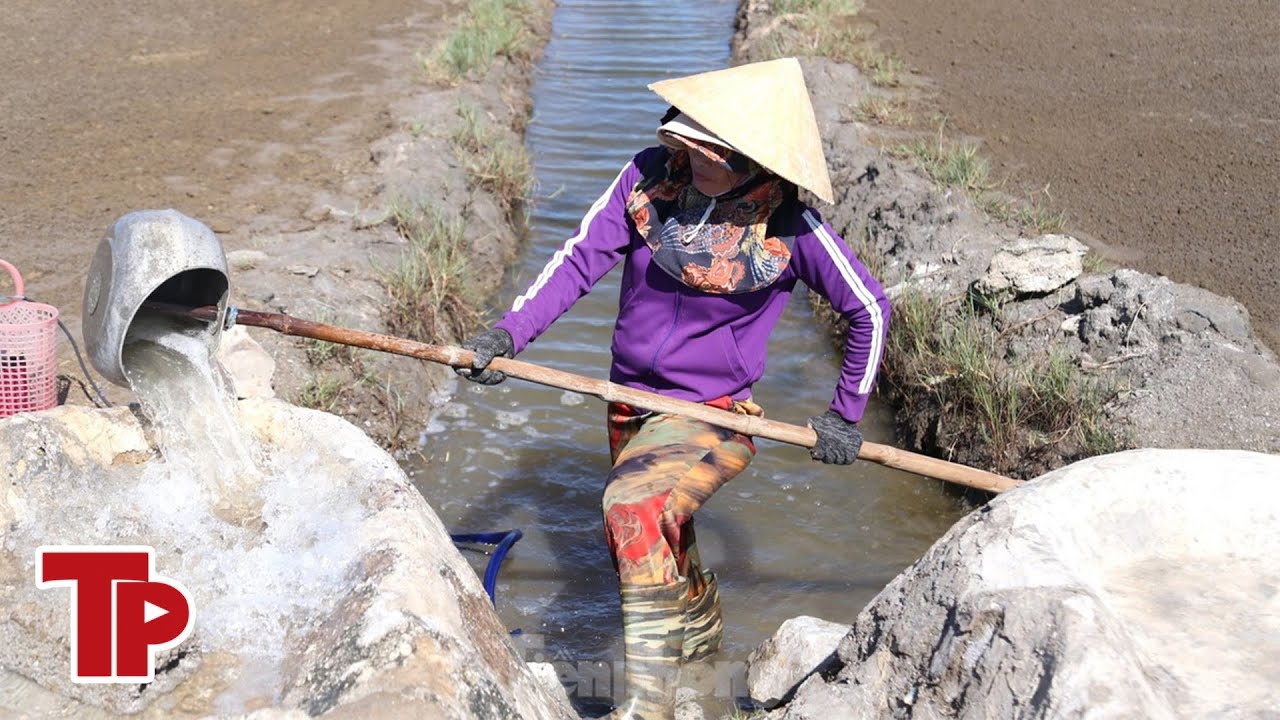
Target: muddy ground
<point x="1155" y="125"/>
<point x="241" y="114"/>
<point x="287" y="127"/>
<point x="1151" y="362"/>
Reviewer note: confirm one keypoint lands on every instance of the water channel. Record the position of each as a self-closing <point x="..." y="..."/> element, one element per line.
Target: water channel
<point x="789" y="536"/>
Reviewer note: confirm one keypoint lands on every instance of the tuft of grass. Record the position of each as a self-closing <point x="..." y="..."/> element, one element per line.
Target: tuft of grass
<point x="1011" y="409"/>
<point x="322" y="393"/>
<point x="818" y="7"/>
<point x="883" y="111"/>
<point x="491" y="28"/>
<point x="883" y="69"/>
<point x="839" y="41"/>
<point x="1094" y="263"/>
<point x="433" y="291"/>
<point x="384" y="392"/>
<point x="950" y="165"/>
<point x="1040" y="220"/>
<point x="1032" y="216"/>
<point x="493" y="160"/>
<point x="816" y="27"/>
<point x="319" y="352"/>
<point x="830" y="28"/>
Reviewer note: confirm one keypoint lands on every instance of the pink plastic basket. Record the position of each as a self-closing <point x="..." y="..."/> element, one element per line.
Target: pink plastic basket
<point x="28" y="351"/>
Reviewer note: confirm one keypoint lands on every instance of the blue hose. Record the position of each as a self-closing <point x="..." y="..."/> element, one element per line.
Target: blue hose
<point x="504" y="541"/>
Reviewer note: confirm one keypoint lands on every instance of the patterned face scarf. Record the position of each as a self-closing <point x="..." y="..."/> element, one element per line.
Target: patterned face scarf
<point x="718" y="245"/>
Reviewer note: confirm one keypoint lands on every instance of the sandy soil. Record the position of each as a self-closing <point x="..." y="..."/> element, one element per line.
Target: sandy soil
<point x="238" y="113"/>
<point x="1154" y="124"/>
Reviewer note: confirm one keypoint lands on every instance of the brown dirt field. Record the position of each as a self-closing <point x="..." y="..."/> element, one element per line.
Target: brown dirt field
<point x="237" y="113"/>
<point x="285" y="126"/>
<point x="1154" y="124"/>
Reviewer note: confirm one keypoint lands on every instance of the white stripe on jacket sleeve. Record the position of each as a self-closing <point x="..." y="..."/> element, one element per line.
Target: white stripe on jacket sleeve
<point x="559" y="257"/>
<point x="863" y="294"/>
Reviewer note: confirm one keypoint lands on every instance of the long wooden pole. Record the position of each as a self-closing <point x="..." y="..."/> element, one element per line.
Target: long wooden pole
<point x="607" y="391"/>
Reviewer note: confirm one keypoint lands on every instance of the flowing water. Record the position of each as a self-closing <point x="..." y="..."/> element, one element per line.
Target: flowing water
<point x="788" y="537"/>
<point x="262" y="546"/>
<point x="168" y="365"/>
<point x="268" y="556"/>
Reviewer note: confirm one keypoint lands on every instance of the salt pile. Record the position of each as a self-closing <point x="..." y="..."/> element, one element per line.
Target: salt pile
<point x="262" y="546"/>
<point x="320" y="579"/>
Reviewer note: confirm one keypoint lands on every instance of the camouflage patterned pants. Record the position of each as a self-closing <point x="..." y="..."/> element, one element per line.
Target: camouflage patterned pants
<point x="664" y="468"/>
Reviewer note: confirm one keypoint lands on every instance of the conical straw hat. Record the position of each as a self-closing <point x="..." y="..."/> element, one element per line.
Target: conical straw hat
<point x="763" y="110"/>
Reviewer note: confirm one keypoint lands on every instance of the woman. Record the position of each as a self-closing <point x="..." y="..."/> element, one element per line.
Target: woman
<point x="714" y="238"/>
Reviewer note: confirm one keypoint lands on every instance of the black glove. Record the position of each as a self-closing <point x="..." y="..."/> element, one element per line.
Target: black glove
<point x="838" y="439"/>
<point x="494" y="342"/>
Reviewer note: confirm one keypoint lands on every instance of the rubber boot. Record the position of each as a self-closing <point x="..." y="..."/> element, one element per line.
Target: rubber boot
<point x="653" y="638"/>
<point x="704" y="627"/>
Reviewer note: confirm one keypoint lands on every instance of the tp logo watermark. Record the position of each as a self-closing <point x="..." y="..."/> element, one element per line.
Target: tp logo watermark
<point x="122" y="613"/>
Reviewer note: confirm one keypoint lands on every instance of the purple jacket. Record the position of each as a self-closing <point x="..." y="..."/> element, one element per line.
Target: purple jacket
<point x="688" y="344"/>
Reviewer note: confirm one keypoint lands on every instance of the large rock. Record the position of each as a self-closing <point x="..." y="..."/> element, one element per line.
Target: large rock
<point x="1034" y="266"/>
<point x="252" y="369"/>
<point x="1140" y="584"/>
<point x="347" y="599"/>
<point x="800" y="647"/>
<point x="1128" y="310"/>
<point x="1193" y="374"/>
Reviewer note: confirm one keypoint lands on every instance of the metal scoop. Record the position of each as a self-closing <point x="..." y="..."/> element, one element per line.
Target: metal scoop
<point x="149" y="255"/>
